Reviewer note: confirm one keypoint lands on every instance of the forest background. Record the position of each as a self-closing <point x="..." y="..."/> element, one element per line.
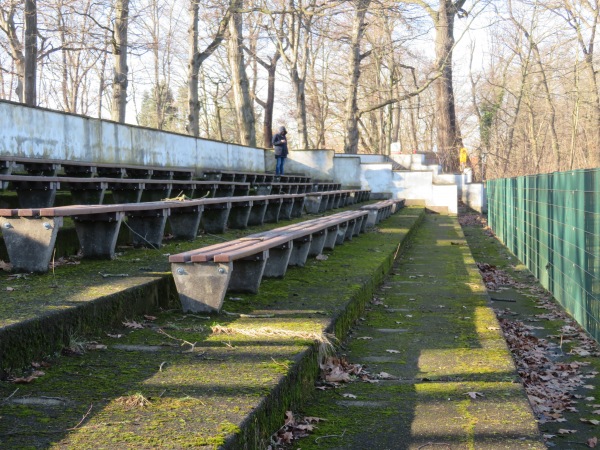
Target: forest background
<point x="515" y="81"/>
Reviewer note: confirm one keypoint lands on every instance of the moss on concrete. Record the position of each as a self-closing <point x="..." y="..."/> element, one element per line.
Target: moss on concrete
<point x="433" y="330"/>
<point x="202" y="390"/>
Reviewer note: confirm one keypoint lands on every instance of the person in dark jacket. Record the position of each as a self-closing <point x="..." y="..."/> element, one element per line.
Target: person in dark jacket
<point x="281" y="149"/>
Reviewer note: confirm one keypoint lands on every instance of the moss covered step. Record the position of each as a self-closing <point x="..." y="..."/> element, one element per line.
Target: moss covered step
<point x="174" y="380"/>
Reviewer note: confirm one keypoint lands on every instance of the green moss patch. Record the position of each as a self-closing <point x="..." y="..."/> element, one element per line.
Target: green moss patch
<point x="174" y="383"/>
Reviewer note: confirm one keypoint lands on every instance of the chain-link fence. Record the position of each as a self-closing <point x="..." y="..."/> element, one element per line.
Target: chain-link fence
<point x="551" y="222"/>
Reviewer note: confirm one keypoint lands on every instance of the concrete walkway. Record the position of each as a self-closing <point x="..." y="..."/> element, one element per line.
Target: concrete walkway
<point x="432" y="329"/>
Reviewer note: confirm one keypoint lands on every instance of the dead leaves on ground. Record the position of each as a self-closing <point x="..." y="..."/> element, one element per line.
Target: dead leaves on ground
<point x="133" y="401"/>
<point x="294" y="428"/>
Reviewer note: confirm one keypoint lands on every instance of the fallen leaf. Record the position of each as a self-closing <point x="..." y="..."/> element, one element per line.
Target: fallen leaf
<point x="349" y="395"/>
<point x="549" y="436"/>
<point x="474" y="395"/>
<point x="321" y="257"/>
<point x="385" y="376"/>
<point x="592" y="442"/>
<point x="115" y="336"/>
<point x="96" y="347"/>
<point x="590" y="421"/>
<point x="24" y="380"/>
<point x="393" y="351"/>
<point x="364" y="338"/>
<point x="149" y="317"/>
<point x="133" y="324"/>
<point x="564" y="431"/>
<point x="10" y="289"/>
<point x="310" y="419"/>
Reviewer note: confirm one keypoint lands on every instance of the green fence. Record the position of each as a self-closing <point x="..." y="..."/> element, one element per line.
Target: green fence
<point x="551" y="222"/>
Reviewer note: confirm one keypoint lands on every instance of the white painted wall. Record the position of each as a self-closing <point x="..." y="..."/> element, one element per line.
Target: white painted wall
<point x="347" y="170"/>
<point x="35" y="132"/>
<point x="41" y="133"/>
<point x="377" y="176"/>
<point x="474" y="196"/>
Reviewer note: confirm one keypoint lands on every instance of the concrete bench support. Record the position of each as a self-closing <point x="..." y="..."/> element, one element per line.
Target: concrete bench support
<point x="287" y="204"/>
<point x="147" y="227"/>
<point x="126" y="193"/>
<point x="98" y="234"/>
<point x="214" y="218"/>
<point x="247" y="273"/>
<point x="257" y="212"/>
<point x="186" y="221"/>
<point x="317" y="243"/>
<point x="239" y="214"/>
<point x="300" y="251"/>
<point x="273" y="208"/>
<point x="279" y="258"/>
<point x="35" y="195"/>
<point x="312" y="204"/>
<point x="30" y="241"/>
<point x="331" y="237"/>
<point x="202" y="286"/>
<point x="298" y="207"/>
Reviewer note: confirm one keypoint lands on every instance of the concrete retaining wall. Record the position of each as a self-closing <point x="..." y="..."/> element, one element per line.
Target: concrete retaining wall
<point x="474" y="196"/>
<point x="41" y="133"/>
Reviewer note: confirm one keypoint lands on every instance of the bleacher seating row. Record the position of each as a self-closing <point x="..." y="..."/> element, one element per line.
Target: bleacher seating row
<point x="204" y="275"/>
<point x="33" y="231"/>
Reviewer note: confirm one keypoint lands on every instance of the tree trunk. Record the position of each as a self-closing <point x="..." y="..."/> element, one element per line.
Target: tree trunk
<point x="193" y="69"/>
<point x="448" y="133"/>
<point x="120" y="70"/>
<point x="196" y="58"/>
<point x="351" y="108"/>
<point x="239" y="79"/>
<point x="31" y="50"/>
<point x="270" y="102"/>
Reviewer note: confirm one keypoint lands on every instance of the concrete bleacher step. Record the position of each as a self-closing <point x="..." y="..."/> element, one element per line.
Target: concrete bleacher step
<point x="172" y="382"/>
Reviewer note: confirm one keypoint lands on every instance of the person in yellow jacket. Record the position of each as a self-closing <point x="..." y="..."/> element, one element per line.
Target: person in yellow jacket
<point x="462" y="158"/>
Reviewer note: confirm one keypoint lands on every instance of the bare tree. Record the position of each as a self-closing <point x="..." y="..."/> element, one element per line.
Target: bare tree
<point x="9" y="27"/>
<point x="197" y="57"/>
<point x="31" y="51"/>
<point x="358" y="28"/>
<point x="120" y="71"/>
<point x="239" y="81"/>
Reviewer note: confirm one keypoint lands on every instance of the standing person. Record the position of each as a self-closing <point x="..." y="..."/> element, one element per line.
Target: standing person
<point x="281" y="150"/>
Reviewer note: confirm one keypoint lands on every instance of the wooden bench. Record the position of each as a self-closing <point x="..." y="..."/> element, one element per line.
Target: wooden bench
<point x="319" y="202"/>
<point x="282" y="188"/>
<point x="204" y="275"/>
<point x="382" y="210"/>
<point x="30" y="233"/>
<point x="253" y="177"/>
<point x="323" y="186"/>
<point x="40" y="191"/>
<point x="51" y="167"/>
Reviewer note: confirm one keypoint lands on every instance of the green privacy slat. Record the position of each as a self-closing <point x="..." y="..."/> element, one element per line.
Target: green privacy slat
<point x="551" y="222"/>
